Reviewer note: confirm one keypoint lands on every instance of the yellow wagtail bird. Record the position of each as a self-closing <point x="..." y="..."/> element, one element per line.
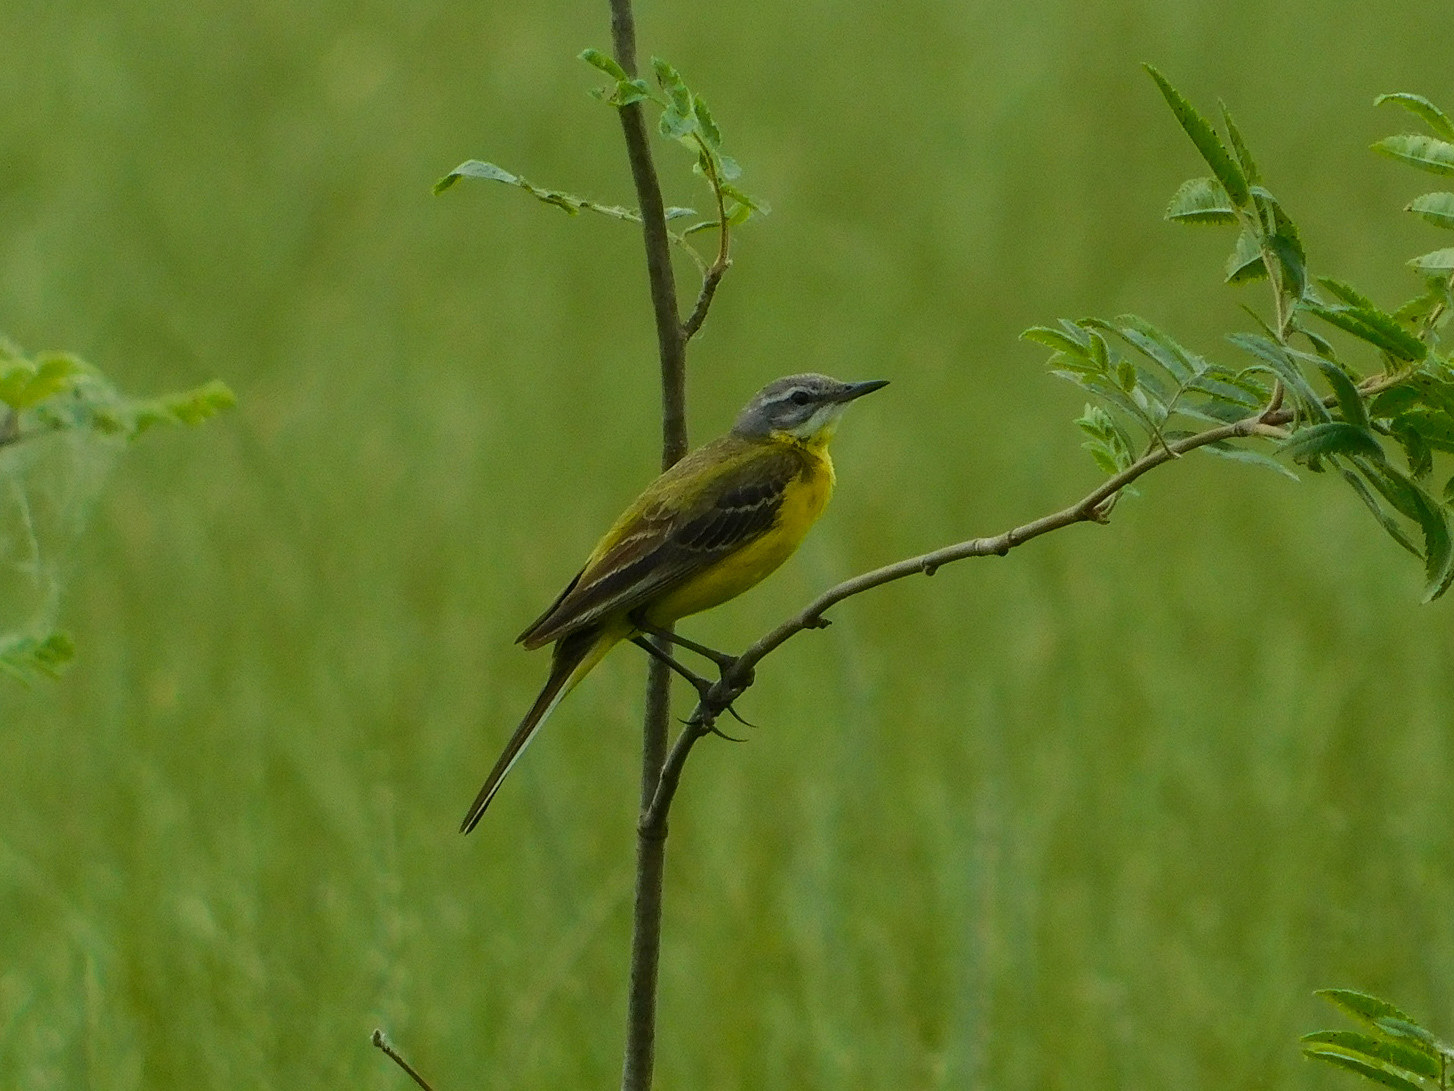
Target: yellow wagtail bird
<point x="706" y="530"/>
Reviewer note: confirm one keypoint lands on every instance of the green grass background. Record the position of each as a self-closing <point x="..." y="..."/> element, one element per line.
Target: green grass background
<point x="1101" y="814"/>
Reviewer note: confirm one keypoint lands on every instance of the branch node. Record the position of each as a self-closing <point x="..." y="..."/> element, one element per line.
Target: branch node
<point x="818" y="622"/>
<point x="929" y="567"/>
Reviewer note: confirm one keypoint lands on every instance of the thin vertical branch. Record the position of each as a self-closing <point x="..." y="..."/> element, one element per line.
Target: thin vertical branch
<point x="671" y="344"/>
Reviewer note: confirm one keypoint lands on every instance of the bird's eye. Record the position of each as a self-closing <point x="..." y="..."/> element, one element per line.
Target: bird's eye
<point x="800" y="397"/>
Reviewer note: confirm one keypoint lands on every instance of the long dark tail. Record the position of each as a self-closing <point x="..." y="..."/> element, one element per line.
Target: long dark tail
<point x="573" y="659"/>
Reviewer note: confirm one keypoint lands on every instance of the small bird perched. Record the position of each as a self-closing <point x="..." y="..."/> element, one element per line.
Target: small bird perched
<point x="706" y="530"/>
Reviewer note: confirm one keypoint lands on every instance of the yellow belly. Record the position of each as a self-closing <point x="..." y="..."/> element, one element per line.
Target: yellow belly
<point x="803" y="501"/>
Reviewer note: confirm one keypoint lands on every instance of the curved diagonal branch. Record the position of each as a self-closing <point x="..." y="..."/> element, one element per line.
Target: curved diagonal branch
<point x="1092" y="508"/>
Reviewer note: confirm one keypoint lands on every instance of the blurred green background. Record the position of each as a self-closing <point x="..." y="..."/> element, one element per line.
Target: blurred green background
<point x="1101" y="814"/>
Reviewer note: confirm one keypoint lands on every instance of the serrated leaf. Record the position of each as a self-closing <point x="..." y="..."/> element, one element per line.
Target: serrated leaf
<point x="754" y="203"/>
<point x="475" y="168"/>
<point x="1371" y="1071"/>
<point x="1282" y="365"/>
<point x="1377" y="327"/>
<point x="1350" y="402"/>
<point x="710" y="133"/>
<point x="1201" y="201"/>
<point x="1424" y="152"/>
<point x="676" y="124"/>
<point x="629" y="91"/>
<point x="1239" y="147"/>
<point x="1346" y="292"/>
<point x="1126" y="375"/>
<point x="1329" y="438"/>
<point x="1406" y="1057"/>
<point x="1054" y="339"/>
<point x="1425" y="1043"/>
<point x="1435" y="427"/>
<point x="1413" y="503"/>
<point x="606" y="63"/>
<point x="1417" y="451"/>
<point x="1436" y="263"/>
<point x="1160" y="347"/>
<point x="1422" y="108"/>
<point x="1245" y="262"/>
<point x="1227" y="172"/>
<point x="1436" y="208"/>
<point x="1387" y="521"/>
<point x="1288" y="246"/>
<point x="1253" y="458"/>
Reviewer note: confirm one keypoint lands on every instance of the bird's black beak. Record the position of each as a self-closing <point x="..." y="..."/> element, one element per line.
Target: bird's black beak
<point x="858" y="390"/>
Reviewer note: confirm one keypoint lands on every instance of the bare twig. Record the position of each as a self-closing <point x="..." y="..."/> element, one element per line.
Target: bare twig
<point x="713" y="276"/>
<point x="382" y="1043"/>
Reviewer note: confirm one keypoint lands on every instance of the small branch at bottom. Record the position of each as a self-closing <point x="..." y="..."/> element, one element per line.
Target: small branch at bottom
<point x="382" y="1043"/>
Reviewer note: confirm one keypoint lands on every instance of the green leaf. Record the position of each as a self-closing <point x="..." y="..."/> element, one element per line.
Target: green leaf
<point x="1318" y="441"/>
<point x="1281" y="364"/>
<point x="1449" y="492"/>
<point x="26" y="654"/>
<point x="1437" y="208"/>
<point x="24" y="384"/>
<point x="475" y="168"/>
<point x="755" y="203"/>
<point x="1160" y="347"/>
<point x="1421" y="107"/>
<point x="1374" y="1072"/>
<point x="1205" y="138"/>
<point x="671" y="82"/>
<point x="1387" y="521"/>
<point x="1434" y="427"/>
<point x="1414" y="1060"/>
<point x="1107" y="441"/>
<point x="1439" y="262"/>
<point x="1350" y="402"/>
<point x="1242" y="454"/>
<point x="629" y="91"/>
<point x="1417" y="450"/>
<point x="605" y="63"/>
<point x="710" y="133"/>
<point x="1376" y="327"/>
<point x="1424" y="152"/>
<point x="1201" y="201"/>
<point x="1288" y="246"/>
<point x="1239" y="147"/>
<point x="1346" y="292"/>
<point x="1427" y="1045"/>
<point x="1245" y="263"/>
<point x="1054" y="340"/>
<point x="1412" y="502"/>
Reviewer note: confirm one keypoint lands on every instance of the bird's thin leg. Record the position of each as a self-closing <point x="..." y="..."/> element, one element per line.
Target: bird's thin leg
<point x="698" y="682"/>
<point x="702" y="686"/>
<point x="722" y="659"/>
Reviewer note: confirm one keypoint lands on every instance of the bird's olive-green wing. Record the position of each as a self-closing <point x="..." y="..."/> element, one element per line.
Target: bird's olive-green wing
<point x="679" y="527"/>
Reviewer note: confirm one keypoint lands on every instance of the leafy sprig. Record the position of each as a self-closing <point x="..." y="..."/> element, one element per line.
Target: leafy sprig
<point x="1392" y="1049"/>
<point x="46" y="395"/>
<point x="1356" y="418"/>
<point x="684" y="119"/>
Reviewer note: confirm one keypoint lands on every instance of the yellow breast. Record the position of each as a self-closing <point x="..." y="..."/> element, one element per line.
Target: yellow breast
<point x="803" y="502"/>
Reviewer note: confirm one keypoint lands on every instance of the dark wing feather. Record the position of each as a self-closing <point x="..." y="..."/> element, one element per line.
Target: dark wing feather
<point x="663" y="547"/>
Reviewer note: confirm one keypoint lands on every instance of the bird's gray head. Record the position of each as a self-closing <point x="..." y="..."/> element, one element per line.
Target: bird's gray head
<point x="806" y="407"/>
